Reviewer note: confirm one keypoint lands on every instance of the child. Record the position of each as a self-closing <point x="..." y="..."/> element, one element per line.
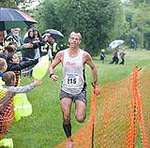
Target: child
<point x="6" y="106"/>
<point x="14" y="63"/>
<point x="9" y="78"/>
<point x="3" y="68"/>
<point x="3" y="65"/>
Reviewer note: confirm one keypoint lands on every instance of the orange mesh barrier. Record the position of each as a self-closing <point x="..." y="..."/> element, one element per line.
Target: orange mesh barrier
<point x="123" y="110"/>
<point x="144" y="106"/>
<point x="113" y="122"/>
<point x="122" y="114"/>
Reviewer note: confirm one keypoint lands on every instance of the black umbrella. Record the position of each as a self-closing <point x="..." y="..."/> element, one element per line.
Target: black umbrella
<point x="54" y="33"/>
<point x="13" y="18"/>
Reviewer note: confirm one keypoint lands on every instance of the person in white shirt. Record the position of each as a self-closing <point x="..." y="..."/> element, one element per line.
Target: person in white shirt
<point x="73" y="60"/>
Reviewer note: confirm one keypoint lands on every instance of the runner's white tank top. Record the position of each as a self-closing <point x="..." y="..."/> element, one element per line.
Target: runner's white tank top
<point x="73" y="79"/>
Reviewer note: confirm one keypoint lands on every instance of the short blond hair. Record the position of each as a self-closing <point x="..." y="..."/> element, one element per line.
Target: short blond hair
<point x="76" y="33"/>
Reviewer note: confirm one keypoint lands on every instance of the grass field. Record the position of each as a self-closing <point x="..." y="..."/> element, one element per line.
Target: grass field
<point x="43" y="129"/>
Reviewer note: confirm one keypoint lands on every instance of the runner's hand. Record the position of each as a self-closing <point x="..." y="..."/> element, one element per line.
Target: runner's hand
<point x="54" y="77"/>
<point x="96" y="90"/>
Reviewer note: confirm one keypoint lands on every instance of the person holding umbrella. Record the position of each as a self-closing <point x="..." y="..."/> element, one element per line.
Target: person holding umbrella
<point x="13" y="18"/>
<point x="46" y="48"/>
<point x="115" y="58"/>
<point x="53" y="35"/>
<point x="73" y="87"/>
<point x="115" y="45"/>
<point x="53" y="44"/>
<point x="122" y="57"/>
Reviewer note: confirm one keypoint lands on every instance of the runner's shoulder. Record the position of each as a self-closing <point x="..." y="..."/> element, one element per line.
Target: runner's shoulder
<point x="60" y="54"/>
<point x="86" y="54"/>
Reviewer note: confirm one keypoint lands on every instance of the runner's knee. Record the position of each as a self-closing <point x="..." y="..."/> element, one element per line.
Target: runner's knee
<point x="80" y="117"/>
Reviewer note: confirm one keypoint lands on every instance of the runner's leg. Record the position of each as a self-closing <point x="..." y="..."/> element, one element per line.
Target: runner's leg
<point x="80" y="110"/>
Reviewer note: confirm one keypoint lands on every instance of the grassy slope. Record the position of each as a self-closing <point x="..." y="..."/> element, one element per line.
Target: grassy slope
<point x="43" y="129"/>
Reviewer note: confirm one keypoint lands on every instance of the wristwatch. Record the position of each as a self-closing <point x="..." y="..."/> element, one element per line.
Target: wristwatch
<point x="51" y="75"/>
<point x="94" y="83"/>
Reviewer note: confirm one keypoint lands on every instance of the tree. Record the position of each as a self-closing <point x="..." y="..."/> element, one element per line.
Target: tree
<point x="8" y="3"/>
<point x="93" y="18"/>
<point x="138" y="16"/>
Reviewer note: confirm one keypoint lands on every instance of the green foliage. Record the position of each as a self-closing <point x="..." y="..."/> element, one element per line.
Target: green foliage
<point x="121" y="27"/>
<point x="138" y="16"/>
<point x="137" y="3"/>
<point x="8" y="3"/>
<point x="93" y="18"/>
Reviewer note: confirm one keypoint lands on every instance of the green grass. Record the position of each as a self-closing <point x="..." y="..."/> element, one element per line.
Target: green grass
<point x="139" y="140"/>
<point x="43" y="129"/>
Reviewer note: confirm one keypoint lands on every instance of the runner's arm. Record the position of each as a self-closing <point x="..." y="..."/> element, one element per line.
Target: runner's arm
<point x="55" y="62"/>
<point x="89" y="61"/>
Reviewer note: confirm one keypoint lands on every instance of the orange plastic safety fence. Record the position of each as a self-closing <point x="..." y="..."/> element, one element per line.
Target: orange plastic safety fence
<point x="138" y="113"/>
<point x="143" y="98"/>
<point x="121" y="115"/>
<point x="113" y="108"/>
<point x="122" y="108"/>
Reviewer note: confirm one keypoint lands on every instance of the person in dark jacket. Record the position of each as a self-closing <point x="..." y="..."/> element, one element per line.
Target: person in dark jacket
<point x="122" y="57"/>
<point x="102" y="55"/>
<point x="14" y="63"/>
<point x="115" y="58"/>
<point x="28" y="51"/>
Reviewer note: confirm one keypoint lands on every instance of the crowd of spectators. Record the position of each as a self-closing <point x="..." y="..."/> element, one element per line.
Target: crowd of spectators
<point x="21" y="53"/>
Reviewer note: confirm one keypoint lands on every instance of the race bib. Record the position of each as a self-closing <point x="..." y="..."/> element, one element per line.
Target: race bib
<point x="72" y="79"/>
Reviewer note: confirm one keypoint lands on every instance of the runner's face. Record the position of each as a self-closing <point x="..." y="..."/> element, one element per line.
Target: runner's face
<point x="74" y="41"/>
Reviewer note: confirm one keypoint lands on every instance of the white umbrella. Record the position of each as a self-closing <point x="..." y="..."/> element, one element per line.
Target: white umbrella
<point x="54" y="33"/>
<point x="115" y="44"/>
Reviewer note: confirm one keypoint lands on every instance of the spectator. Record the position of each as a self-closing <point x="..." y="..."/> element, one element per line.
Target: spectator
<point x="14" y="36"/>
<point x="38" y="41"/>
<point x="6" y="106"/>
<point x="53" y="45"/>
<point x="28" y="51"/>
<point x="47" y="47"/>
<point x="102" y="55"/>
<point x="14" y="63"/>
<point x="2" y="39"/>
<point x="133" y="42"/>
<point x="115" y="58"/>
<point x="122" y="55"/>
